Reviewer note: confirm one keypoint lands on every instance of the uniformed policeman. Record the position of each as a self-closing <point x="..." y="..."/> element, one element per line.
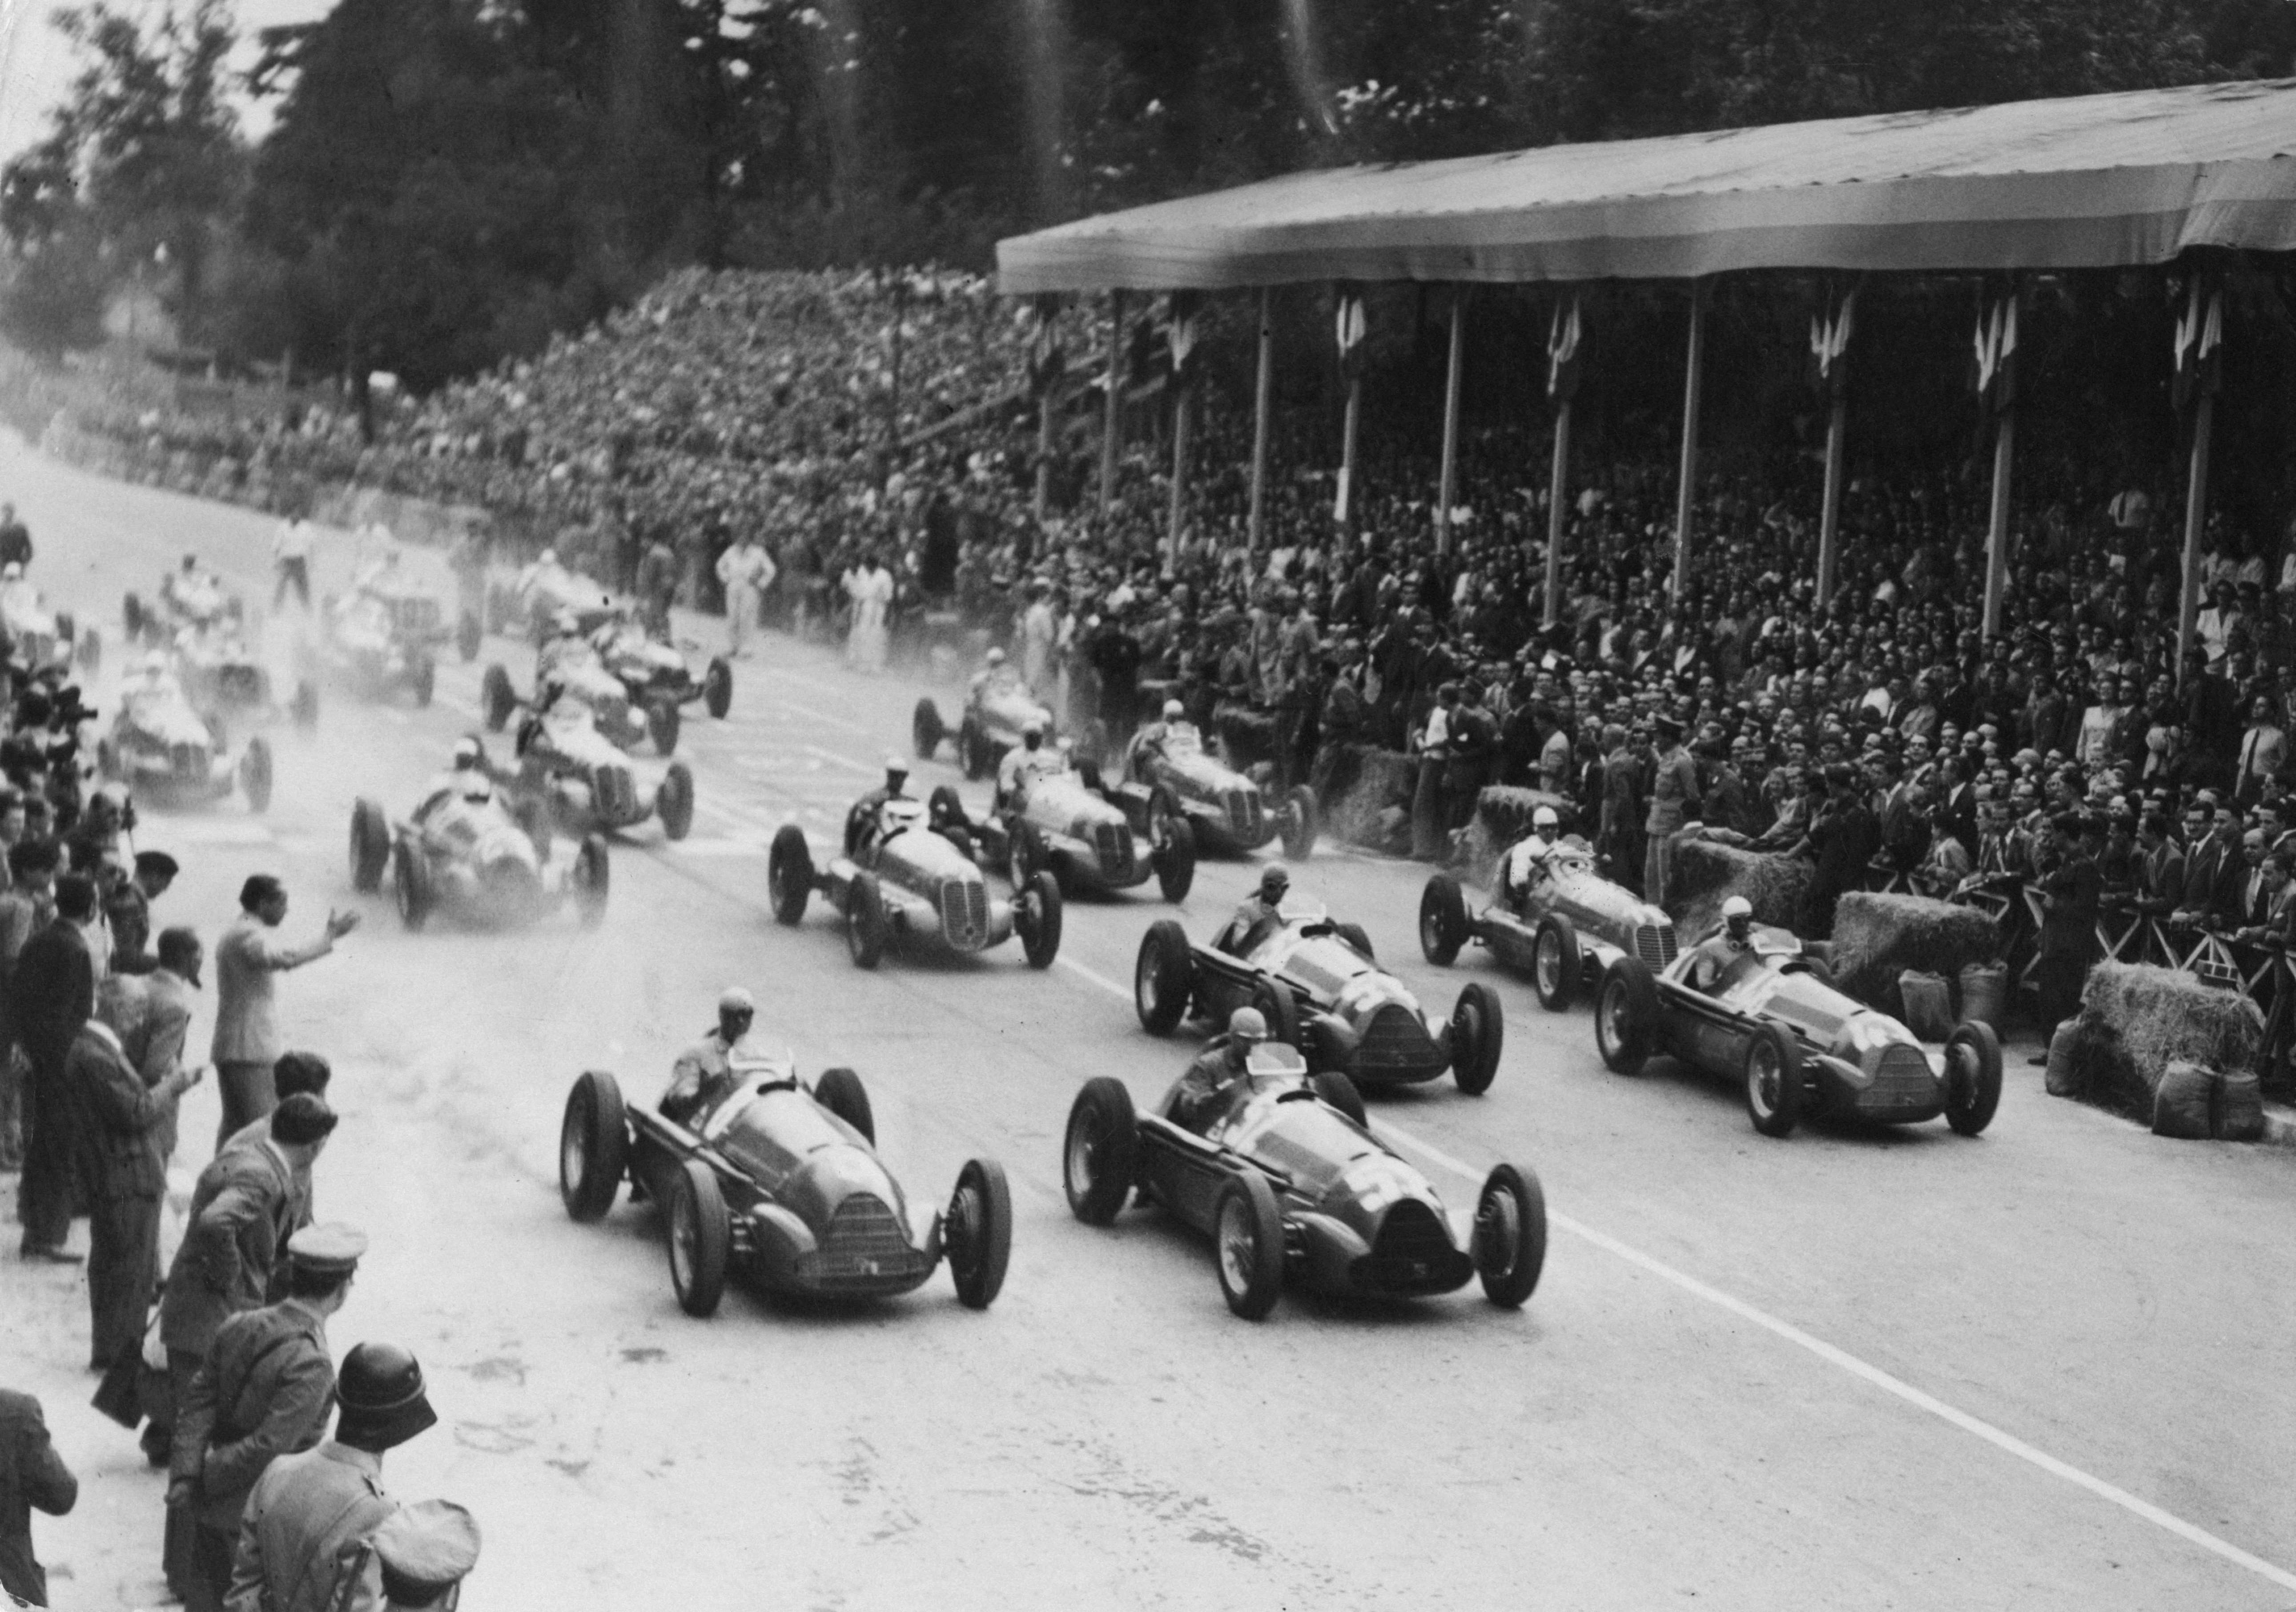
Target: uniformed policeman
<point x="263" y="1391"/>
<point x="311" y="1522"/>
<point x="1204" y="1089"/>
<point x="704" y="1072"/>
<point x="423" y="1553"/>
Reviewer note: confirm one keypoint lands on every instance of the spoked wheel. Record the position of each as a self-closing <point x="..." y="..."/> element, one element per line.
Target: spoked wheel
<point x="1626" y="1016"/>
<point x="592" y="1146"/>
<point x="978" y="1232"/>
<point x="1442" y="920"/>
<point x="1163" y="978"/>
<point x="1509" y="1235"/>
<point x="700" y="1238"/>
<point x="1100" y="1157"/>
<point x="1972" y="1073"/>
<point x="1555" y="962"/>
<point x="1248" y="1241"/>
<point x="1773" y="1080"/>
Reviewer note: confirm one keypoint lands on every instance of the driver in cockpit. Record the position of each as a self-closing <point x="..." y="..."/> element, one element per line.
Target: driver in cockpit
<point x="703" y="1077"/>
<point x="1259" y="912"/>
<point x="466" y="779"/>
<point x="1713" y="959"/>
<point x="1173" y="732"/>
<point x="995" y="676"/>
<point x="1530" y="862"/>
<point x="894" y="818"/>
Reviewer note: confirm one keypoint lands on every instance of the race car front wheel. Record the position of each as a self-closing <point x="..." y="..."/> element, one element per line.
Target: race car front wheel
<point x="789" y="874"/>
<point x="1163" y="978"/>
<point x="370" y="846"/>
<point x="1555" y="962"/>
<point x="663" y="722"/>
<point x="675" y="801"/>
<point x="864" y="921"/>
<point x="1510" y="1246"/>
<point x="1248" y="1238"/>
<point x="1176" y="860"/>
<point x="926" y="730"/>
<point x="1442" y="920"/>
<point x="410" y="886"/>
<point x="841" y="1092"/>
<point x="978" y="1230"/>
<point x="1477" y="1031"/>
<point x="718" y="687"/>
<point x="592" y="1146"/>
<point x="700" y="1238"/>
<point x="497" y="698"/>
<point x="1302" y="822"/>
<point x="1773" y="1080"/>
<point x="1036" y="915"/>
<point x="1973" y="1073"/>
<point x="1100" y="1157"/>
<point x="1626" y="1016"/>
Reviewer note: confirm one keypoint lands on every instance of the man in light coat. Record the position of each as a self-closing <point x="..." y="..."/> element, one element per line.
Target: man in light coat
<point x="746" y="570"/>
<point x="247" y="1031"/>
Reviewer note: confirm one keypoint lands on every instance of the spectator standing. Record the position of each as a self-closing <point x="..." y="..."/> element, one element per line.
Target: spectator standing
<point x="294" y="1072"/>
<point x="290" y="560"/>
<point x="33" y="1477"/>
<point x="28" y="904"/>
<point x="246" y="1032"/>
<point x="2263" y="752"/>
<point x="2070" y="897"/>
<point x="1673" y="802"/>
<point x="745" y="570"/>
<point x="870" y="586"/>
<point x="263" y="1390"/>
<point x="128" y="911"/>
<point x="52" y="995"/>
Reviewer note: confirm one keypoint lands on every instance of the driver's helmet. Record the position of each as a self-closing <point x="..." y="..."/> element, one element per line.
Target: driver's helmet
<point x="899" y="815"/>
<point x="1275" y="883"/>
<point x="549" y="557"/>
<point x="1174" y="710"/>
<point x="11" y="572"/>
<point x="995" y="657"/>
<point x="191" y="563"/>
<point x="467" y="753"/>
<point x="897" y="772"/>
<point x="1247" y="1024"/>
<point x="1738" y="917"/>
<point x="1544" y="822"/>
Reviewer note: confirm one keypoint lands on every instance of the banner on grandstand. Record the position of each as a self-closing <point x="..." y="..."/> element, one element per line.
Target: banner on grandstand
<point x="1829" y="344"/>
<point x="1562" y="337"/>
<point x="2200" y="338"/>
<point x="1995" y="369"/>
<point x="1047" y="359"/>
<point x="1181" y="328"/>
<point x="1350" y="328"/>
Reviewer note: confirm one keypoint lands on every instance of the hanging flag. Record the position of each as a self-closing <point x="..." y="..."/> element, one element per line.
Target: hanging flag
<point x="1562" y="333"/>
<point x="1996" y="350"/>
<point x="1181" y="329"/>
<point x="1350" y="330"/>
<point x="1829" y="345"/>
<point x="2200" y="338"/>
<point x="1046" y="358"/>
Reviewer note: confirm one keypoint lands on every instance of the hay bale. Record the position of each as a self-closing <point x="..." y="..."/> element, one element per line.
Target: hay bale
<point x="2184" y="1104"/>
<point x="2240" y="1107"/>
<point x="1925" y="1004"/>
<point x="1985" y="994"/>
<point x="1876" y="938"/>
<point x="1246" y="736"/>
<point x="1503" y="815"/>
<point x="1705" y="873"/>
<point x="2064" y="1072"/>
<point x="1377" y="781"/>
<point x="2136" y="1019"/>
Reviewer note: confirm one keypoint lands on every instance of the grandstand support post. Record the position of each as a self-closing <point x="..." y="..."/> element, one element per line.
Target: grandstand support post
<point x="1996" y="535"/>
<point x="1829" y="525"/>
<point x="1685" y="498"/>
<point x="2196" y="514"/>
<point x="1349" y="491"/>
<point x="1263" y="389"/>
<point x="1111" y="420"/>
<point x="1558" y="491"/>
<point x="1181" y="417"/>
<point x="1045" y="451"/>
<point x="1447" y="484"/>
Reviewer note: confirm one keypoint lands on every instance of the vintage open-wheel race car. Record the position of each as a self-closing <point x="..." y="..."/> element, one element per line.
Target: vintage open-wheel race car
<point x="169" y="753"/>
<point x="1291" y="1185"/>
<point x="995" y="714"/>
<point x="587" y="784"/>
<point x="780" y="1182"/>
<point x="1799" y="1048"/>
<point x="45" y="638"/>
<point x="1564" y="932"/>
<point x="1321" y="991"/>
<point x="1230" y="812"/>
<point x="476" y="859"/>
<point x="193" y="598"/>
<point x="385" y="636"/>
<point x="656" y="680"/>
<point x="1062" y="824"/>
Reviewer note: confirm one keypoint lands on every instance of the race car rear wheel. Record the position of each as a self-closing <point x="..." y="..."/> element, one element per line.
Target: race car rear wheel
<point x="789" y="874"/>
<point x="700" y="1238"/>
<point x="1248" y="1241"/>
<point x="1477" y="1031"/>
<point x="255" y="774"/>
<point x="926" y="730"/>
<point x="1337" y="1089"/>
<point x="975" y="752"/>
<point x="497" y="698"/>
<point x="593" y="877"/>
<point x="1773" y="1079"/>
<point x="594" y="1146"/>
<point x="423" y="682"/>
<point x="864" y="921"/>
<point x="1442" y="920"/>
<point x="1100" y="1157"/>
<point x="1554" y="963"/>
<point x="1176" y="861"/>
<point x="410" y="886"/>
<point x="1036" y="915"/>
<point x="1626" y="1016"/>
<point x="370" y="846"/>
<point x="470" y="635"/>
<point x="718" y="687"/>
<point x="1163" y="978"/>
<point x="1281" y="1009"/>
<point x="1510" y="1239"/>
<point x="1972" y="1074"/>
<point x="1302" y="821"/>
<point x="841" y="1092"/>
<point x="978" y="1232"/>
<point x="674" y="801"/>
<point x="663" y="720"/>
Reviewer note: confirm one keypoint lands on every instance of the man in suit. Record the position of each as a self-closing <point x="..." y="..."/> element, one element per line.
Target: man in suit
<point x="294" y="1072"/>
<point x="262" y="1390"/>
<point x="26" y="905"/>
<point x="126" y="1173"/>
<point x="32" y="1478"/>
<point x="2272" y="904"/>
<point x="246" y="1033"/>
<point x="2212" y="872"/>
<point x="2263" y="752"/>
<point x="51" y="995"/>
<point x="2070" y="897"/>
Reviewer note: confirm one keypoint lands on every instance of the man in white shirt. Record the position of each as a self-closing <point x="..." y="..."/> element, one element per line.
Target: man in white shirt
<point x="291" y="559"/>
<point x="746" y="570"/>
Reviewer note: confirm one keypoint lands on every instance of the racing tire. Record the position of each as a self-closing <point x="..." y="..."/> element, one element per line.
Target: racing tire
<point x="1477" y="1032"/>
<point x="1442" y="920"/>
<point x="1510" y="1237"/>
<point x="1354" y="935"/>
<point x="470" y="636"/>
<point x="1164" y="813"/>
<point x="1100" y="1154"/>
<point x="701" y="1239"/>
<point x="497" y="698"/>
<point x="718" y="687"/>
<point x="663" y="719"/>
<point x="1040" y="935"/>
<point x="1339" y="1091"/>
<point x="131" y="616"/>
<point x="304" y="707"/>
<point x="410" y="887"/>
<point x="1772" y="1075"/>
<point x="841" y="1092"/>
<point x="789" y="875"/>
<point x="1176" y="863"/>
<point x="675" y="803"/>
<point x="1163" y="977"/>
<point x="255" y="774"/>
<point x="1973" y="1072"/>
<point x="974" y="753"/>
<point x="1626" y="1016"/>
<point x="594" y="1146"/>
<point x="593" y="878"/>
<point x="864" y="921"/>
<point x="91" y="652"/>
<point x="1248" y="1246"/>
<point x="1554" y="963"/>
<point x="1279" y="1008"/>
<point x="978" y="1232"/>
<point x="423" y="682"/>
<point x="370" y="846"/>
<point x="1026" y="855"/>
<point x="926" y="730"/>
<point x="1302" y="822"/>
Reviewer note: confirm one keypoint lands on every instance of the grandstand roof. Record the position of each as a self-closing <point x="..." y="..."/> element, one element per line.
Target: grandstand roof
<point x="2083" y="182"/>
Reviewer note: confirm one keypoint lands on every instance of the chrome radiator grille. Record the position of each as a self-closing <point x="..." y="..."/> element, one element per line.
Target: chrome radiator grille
<point x="865" y="1248"/>
<point x="1395" y="1044"/>
<point x="1243" y="813"/>
<point x="1654" y="944"/>
<point x="965" y="913"/>
<point x="1902" y="1080"/>
<point x="614" y="794"/>
<point x="1111" y="842"/>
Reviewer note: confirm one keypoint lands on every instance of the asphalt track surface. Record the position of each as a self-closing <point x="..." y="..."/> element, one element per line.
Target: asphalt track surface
<point x="2046" y="1368"/>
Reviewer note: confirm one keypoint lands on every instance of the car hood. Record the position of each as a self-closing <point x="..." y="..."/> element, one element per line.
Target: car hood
<point x="810" y="1160"/>
<point x="1065" y="806"/>
<point x="1820" y="1015"/>
<point x="1327" y="1157"/>
<point x="919" y="853"/>
<point x="1196" y="771"/>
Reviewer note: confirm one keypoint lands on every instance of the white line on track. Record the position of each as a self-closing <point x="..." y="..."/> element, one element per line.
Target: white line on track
<point x="834" y="759"/>
<point x="1833" y="1355"/>
<point x="822" y="717"/>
